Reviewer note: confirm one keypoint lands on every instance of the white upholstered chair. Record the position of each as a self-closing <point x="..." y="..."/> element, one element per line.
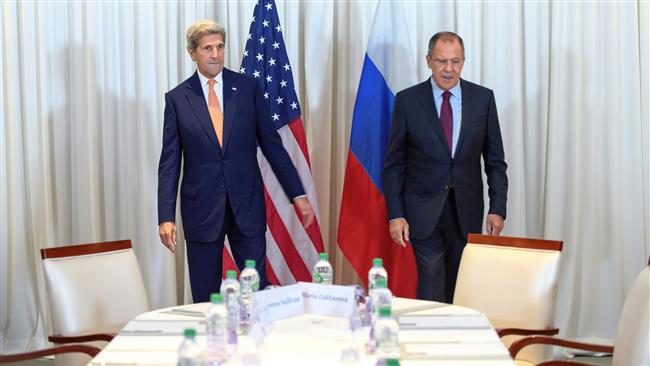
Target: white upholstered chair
<point x="513" y="281"/>
<point x="632" y="346"/>
<point x="93" y="291"/>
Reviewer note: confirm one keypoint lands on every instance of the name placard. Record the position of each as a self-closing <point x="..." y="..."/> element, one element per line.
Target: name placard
<point x="443" y="321"/>
<point x="331" y="300"/>
<point x="257" y="333"/>
<point x="278" y="303"/>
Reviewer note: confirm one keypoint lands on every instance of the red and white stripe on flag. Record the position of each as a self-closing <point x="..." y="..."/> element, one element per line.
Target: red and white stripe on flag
<point x="291" y="250"/>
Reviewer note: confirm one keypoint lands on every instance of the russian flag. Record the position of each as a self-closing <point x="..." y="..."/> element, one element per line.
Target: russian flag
<point x="363" y="225"/>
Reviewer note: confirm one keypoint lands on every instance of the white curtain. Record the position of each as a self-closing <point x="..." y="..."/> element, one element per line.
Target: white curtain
<point x="81" y="115"/>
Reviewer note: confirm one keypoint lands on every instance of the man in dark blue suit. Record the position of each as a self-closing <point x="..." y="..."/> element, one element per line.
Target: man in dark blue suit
<point x="432" y="174"/>
<point x="213" y="124"/>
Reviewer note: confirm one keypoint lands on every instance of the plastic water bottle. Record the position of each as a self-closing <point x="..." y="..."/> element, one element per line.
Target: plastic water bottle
<point x="215" y="329"/>
<point x="357" y="318"/>
<point x="376" y="272"/>
<point x="230" y="291"/>
<point x="189" y="352"/>
<point x="386" y="332"/>
<point x="369" y="312"/>
<point x="388" y="362"/>
<point x="249" y="280"/>
<point x="323" y="271"/>
<point x="380" y="297"/>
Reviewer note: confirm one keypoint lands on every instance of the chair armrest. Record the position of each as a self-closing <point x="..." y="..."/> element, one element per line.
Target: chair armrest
<point x="68" y="348"/>
<point x="82" y="338"/>
<point x="520" y="331"/>
<point x="517" y="345"/>
<point x="562" y="363"/>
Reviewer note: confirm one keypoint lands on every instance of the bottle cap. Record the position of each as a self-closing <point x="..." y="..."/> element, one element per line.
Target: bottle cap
<point x="231" y="274"/>
<point x="323" y="256"/>
<point x="377" y="262"/>
<point x="250" y="263"/>
<point x="189" y="333"/>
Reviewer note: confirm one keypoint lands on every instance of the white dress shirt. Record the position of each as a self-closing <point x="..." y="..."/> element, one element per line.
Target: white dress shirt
<point x="218" y="88"/>
<point x="456" y="101"/>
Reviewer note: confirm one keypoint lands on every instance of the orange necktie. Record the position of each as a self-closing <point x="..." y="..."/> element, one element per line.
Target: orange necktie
<point x="215" y="112"/>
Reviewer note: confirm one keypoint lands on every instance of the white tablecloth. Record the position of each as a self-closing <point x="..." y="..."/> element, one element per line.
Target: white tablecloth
<point x="456" y="336"/>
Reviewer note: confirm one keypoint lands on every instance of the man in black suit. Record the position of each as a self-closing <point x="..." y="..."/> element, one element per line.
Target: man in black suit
<point x="432" y="173"/>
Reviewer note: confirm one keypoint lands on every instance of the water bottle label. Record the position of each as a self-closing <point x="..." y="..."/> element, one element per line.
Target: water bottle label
<point x="317" y="278"/>
<point x="372" y="280"/>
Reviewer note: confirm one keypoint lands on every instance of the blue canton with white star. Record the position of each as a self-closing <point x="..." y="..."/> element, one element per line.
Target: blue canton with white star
<point x="265" y="59"/>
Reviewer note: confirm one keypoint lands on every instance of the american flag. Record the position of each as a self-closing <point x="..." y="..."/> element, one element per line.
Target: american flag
<point x="291" y="250"/>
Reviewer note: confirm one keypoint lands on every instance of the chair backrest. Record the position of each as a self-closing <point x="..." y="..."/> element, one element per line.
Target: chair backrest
<point x="93" y="288"/>
<point x="513" y="281"/>
<point x="633" y="336"/>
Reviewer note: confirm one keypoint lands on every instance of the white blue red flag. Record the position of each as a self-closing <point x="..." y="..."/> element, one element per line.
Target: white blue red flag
<point x="291" y="250"/>
<point x="363" y="226"/>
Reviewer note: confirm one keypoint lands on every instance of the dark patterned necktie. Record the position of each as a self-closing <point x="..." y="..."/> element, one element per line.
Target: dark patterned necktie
<point x="446" y="119"/>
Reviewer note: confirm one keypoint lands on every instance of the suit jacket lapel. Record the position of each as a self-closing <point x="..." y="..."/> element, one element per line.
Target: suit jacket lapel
<point x="230" y="103"/>
<point x="426" y="95"/>
<point x="196" y="100"/>
<point x="466" y="113"/>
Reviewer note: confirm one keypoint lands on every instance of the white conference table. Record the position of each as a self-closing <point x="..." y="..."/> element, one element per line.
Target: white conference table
<point x="453" y="336"/>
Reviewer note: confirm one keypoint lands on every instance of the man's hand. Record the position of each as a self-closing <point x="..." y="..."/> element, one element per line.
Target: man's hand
<point x="494" y="224"/>
<point x="167" y="232"/>
<point x="399" y="231"/>
<point x="303" y="206"/>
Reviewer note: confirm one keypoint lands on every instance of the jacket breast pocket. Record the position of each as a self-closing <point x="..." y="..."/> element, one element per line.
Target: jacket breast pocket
<point x="189" y="191"/>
